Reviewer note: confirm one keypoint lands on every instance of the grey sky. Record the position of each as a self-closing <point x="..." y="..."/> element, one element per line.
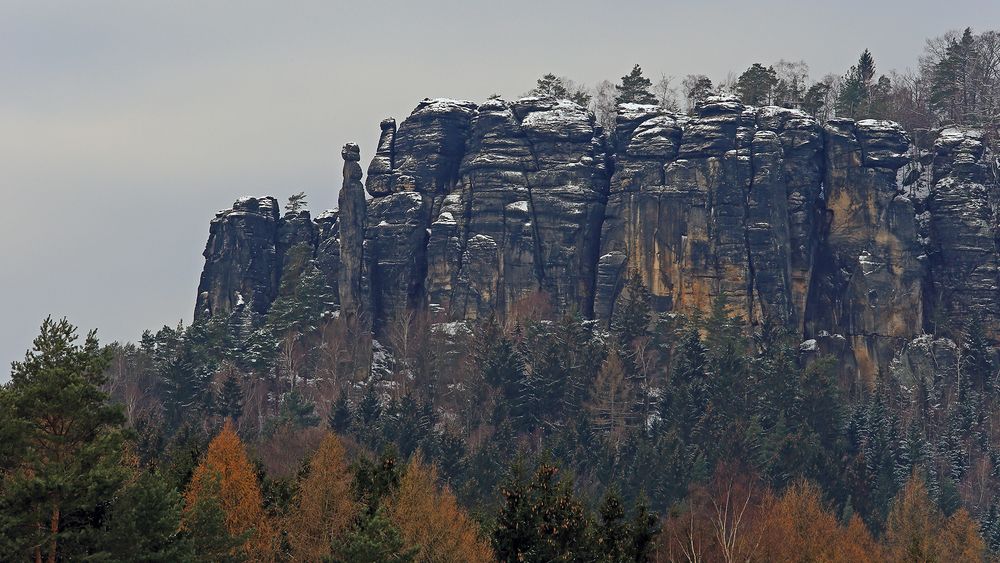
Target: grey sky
<point x="125" y="125"/>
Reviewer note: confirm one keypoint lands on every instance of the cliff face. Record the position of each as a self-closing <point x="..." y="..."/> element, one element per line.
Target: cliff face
<point x="843" y="232"/>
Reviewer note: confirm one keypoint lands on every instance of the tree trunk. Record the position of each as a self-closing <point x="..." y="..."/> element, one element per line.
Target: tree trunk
<point x="54" y="529"/>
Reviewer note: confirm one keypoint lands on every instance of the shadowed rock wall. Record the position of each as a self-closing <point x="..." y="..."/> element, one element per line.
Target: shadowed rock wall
<point x="843" y="232"/>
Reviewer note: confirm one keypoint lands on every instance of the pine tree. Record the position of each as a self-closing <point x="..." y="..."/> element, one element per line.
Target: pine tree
<point x="756" y="85"/>
<point x="230" y="401"/>
<point x="61" y="447"/>
<point x="297" y="410"/>
<point x="374" y="539"/>
<point x="696" y="87"/>
<point x="368" y="416"/>
<point x="541" y="520"/>
<point x="858" y="92"/>
<point x="814" y="101"/>
<point x="684" y="403"/>
<point x="556" y="87"/>
<point x="204" y="529"/>
<point x="237" y="493"/>
<point x="145" y="523"/>
<point x="340" y="414"/>
<point x="295" y="202"/>
<point x="497" y="358"/>
<point x="953" y="90"/>
<point x="550" y="85"/>
<point x="633" y="312"/>
<point x="634" y="89"/>
<point x="375" y="481"/>
<point x="324" y="506"/>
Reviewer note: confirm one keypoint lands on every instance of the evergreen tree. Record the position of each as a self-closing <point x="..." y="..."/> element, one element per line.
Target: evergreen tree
<point x="184" y="385"/>
<point x="696" y="87"/>
<point x="302" y="303"/>
<point x="541" y="520"/>
<point x="230" y="401"/>
<point x="61" y="447"/>
<point x="859" y="91"/>
<point x="206" y="531"/>
<point x="561" y="88"/>
<point x="297" y="411"/>
<point x="375" y="481"/>
<point x="295" y="202"/>
<point x="340" y="414"/>
<point x="374" y="539"/>
<point x="814" y="101"/>
<point x="633" y="312"/>
<point x="635" y="89"/>
<point x="756" y="85"/>
<point x="684" y="403"/>
<point x="145" y="523"/>
<point x="497" y="358"/>
<point x="368" y="416"/>
<point x="953" y="80"/>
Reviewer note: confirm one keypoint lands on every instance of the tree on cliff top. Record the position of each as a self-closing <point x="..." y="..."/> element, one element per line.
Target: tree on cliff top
<point x="635" y="89"/>
<point x="561" y="88"/>
<point x="756" y="85"/>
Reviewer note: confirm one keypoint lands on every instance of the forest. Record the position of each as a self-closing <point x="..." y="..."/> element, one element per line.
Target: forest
<point x="540" y="436"/>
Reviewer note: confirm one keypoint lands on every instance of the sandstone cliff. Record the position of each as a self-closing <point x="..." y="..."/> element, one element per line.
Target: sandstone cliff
<point x="844" y="232"/>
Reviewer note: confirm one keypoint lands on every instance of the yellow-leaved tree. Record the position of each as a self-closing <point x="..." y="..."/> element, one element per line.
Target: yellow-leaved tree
<point x="324" y="505"/>
<point x="916" y="530"/>
<point x="227" y="475"/>
<point x="798" y="526"/>
<point x="430" y="519"/>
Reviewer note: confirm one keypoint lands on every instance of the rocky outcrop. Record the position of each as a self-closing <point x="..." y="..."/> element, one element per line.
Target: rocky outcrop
<point x="721" y="205"/>
<point x="843" y="232"/>
<point x="525" y="216"/>
<point x="870" y="275"/>
<point x="962" y="231"/>
<point x="351" y="220"/>
<point x="242" y="266"/>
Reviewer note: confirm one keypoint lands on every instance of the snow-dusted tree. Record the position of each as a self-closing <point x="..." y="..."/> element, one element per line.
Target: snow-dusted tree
<point x="635" y="88"/>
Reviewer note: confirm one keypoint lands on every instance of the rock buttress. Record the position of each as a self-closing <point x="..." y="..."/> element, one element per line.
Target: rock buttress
<point x="721" y="204"/>
<point x="867" y="299"/>
<point x="415" y="168"/>
<point x="242" y="264"/>
<point x="963" y="226"/>
<point x="525" y="218"/>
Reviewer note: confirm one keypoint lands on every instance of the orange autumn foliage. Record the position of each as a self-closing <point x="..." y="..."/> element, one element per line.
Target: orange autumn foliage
<point x="737" y="518"/>
<point x="237" y="492"/>
<point x="324" y="505"/>
<point x="798" y="527"/>
<point x="430" y="519"/>
<point x="916" y="530"/>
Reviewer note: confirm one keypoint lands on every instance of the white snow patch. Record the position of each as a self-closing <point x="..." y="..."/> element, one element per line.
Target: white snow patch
<point x="518" y="206"/>
<point x="445" y="218"/>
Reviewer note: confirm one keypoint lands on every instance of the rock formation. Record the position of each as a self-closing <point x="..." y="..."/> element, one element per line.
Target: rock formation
<point x="843" y="232"/>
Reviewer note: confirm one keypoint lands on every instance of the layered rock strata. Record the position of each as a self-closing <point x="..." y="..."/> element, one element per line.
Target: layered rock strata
<point x="842" y="232"/>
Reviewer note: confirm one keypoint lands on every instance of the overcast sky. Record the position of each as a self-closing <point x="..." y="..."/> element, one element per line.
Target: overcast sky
<point x="125" y="125"/>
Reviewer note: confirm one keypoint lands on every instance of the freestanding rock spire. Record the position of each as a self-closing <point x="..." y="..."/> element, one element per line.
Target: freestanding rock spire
<point x="353" y="209"/>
